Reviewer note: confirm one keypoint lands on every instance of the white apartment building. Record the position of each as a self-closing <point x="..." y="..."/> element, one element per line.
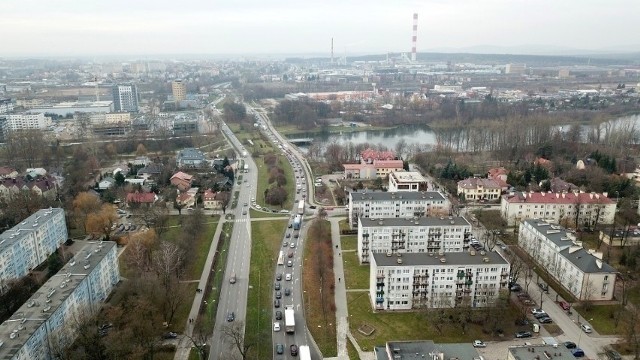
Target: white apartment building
<point x="5" y="105"/>
<point x="582" y="272"/>
<point x="403" y="204"/>
<point x="79" y="287"/>
<point x="24" y="121"/>
<point x="445" y="280"/>
<point x="413" y="235"/>
<point x="406" y="181"/>
<point x="28" y="244"/>
<point x="561" y="208"/>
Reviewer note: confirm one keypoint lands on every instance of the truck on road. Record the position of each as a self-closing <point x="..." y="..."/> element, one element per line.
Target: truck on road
<point x="246" y="167"/>
<point x="297" y="222"/>
<point x="305" y="353"/>
<point x="289" y="320"/>
<point x="301" y="207"/>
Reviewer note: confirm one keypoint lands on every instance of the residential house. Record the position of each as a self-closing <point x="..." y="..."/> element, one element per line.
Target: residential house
<point x="80" y="286"/>
<point x="211" y="200"/>
<point x="559" y="186"/>
<point x="445" y="280"/>
<point x="407" y="181"/>
<point x="412" y="235"/>
<point x="477" y="189"/>
<point x="580" y="271"/>
<point x="574" y="208"/>
<point x="152" y="170"/>
<point x="188" y="199"/>
<point x="7" y="173"/>
<point x="181" y="180"/>
<point x="190" y="158"/>
<point x="35" y="172"/>
<point x="106" y="183"/>
<point x="373" y="164"/>
<point x="141" y="160"/>
<point x="45" y="186"/>
<point x="402" y="204"/>
<point x="141" y="199"/>
<point x="499" y="175"/>
<point x="425" y="349"/>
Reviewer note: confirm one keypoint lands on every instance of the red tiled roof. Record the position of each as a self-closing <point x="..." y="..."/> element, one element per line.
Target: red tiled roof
<point x="388" y="163"/>
<point x="352" y="166"/>
<point x="138" y="197"/>
<point x="4" y="170"/>
<point x="559" y="198"/>
<point x="209" y="195"/>
<point x="182" y="176"/>
<point x="371" y="154"/>
<point x="494" y="172"/>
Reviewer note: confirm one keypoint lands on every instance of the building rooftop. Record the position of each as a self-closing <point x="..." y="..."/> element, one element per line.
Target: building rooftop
<point x="573" y="251"/>
<point x="17" y="330"/>
<point x="368" y="195"/>
<point x="407" y="176"/>
<point x="426" y="349"/>
<point x="559" y="198"/>
<point x="190" y="154"/>
<point x="537" y="352"/>
<point x="455" y="258"/>
<point x="421" y="221"/>
<point x="474" y="183"/>
<point x="27" y="226"/>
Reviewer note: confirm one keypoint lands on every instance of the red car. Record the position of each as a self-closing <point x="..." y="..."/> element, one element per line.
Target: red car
<point x="564" y="305"/>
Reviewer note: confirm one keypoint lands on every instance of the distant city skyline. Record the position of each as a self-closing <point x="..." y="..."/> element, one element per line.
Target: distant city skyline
<point x="124" y="27"/>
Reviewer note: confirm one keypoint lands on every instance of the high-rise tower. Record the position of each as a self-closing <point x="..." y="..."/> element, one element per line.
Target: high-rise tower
<point x="125" y="98"/>
<point x="414" y="38"/>
<point x="179" y="90"/>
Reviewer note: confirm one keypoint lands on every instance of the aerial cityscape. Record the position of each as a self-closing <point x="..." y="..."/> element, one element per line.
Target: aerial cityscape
<point x="336" y="180"/>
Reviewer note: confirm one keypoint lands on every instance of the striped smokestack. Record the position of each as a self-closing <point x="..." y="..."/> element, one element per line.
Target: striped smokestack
<point x="414" y="39"/>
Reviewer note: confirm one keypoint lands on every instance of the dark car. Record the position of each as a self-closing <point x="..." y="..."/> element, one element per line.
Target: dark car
<point x="570" y="345"/>
<point x="564" y="305"/>
<point x="285" y="244"/>
<point x="294" y="350"/>
<point x="287" y="292"/>
<point x="523" y="334"/>
<point x="277" y="286"/>
<point x="515" y="287"/>
<point x="278" y="315"/>
<point x="278" y="295"/>
<point x="296" y="235"/>
<point x="288" y="235"/>
<point x="231" y="316"/>
<point x="170" y="335"/>
<point x="290" y="226"/>
<point x="545" y="320"/>
<point x="276" y="303"/>
<point x="278" y="276"/>
<point x="543" y="287"/>
<point x="279" y="349"/>
<point x="540" y="315"/>
<point x="577" y="352"/>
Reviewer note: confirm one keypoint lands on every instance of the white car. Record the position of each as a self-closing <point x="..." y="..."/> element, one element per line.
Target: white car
<point x="535" y="311"/>
<point x="479" y="344"/>
<point x="276" y="326"/>
<point x="287" y="277"/>
<point x="586" y="328"/>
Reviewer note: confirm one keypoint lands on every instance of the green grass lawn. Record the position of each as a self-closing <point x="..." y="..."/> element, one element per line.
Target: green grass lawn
<point x="351" y="350"/>
<point x="218" y="276"/>
<point x="194" y="268"/>
<point x="262" y="214"/>
<point x="602" y="318"/>
<point x="349" y="242"/>
<point x="355" y="275"/>
<point x="414" y="325"/>
<point x="266" y="243"/>
<point x="344" y="224"/>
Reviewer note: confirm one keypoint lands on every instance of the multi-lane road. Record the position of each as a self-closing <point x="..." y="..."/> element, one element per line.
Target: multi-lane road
<point x="233" y="297"/>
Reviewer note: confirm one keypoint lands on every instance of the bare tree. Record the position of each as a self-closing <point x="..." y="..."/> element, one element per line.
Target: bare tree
<point x="167" y="263"/>
<point x="235" y="334"/>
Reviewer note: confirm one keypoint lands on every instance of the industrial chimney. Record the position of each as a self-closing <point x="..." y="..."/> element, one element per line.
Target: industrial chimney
<point x="414" y="39"/>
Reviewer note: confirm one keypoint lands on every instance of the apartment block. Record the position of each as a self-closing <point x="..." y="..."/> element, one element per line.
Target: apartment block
<point x="565" y="208"/>
<point x="78" y="288"/>
<point x="5" y="105"/>
<point x="403" y="204"/>
<point x="414" y="235"/>
<point x="444" y="280"/>
<point x="125" y="98"/>
<point x="24" y="121"/>
<point x="179" y="90"/>
<point x="30" y="243"/>
<point x="582" y="272"/>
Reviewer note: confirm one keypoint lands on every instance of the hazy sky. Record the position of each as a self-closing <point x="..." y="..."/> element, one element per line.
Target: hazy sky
<point x="90" y="27"/>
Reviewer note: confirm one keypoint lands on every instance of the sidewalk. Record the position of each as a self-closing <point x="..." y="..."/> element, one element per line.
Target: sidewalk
<point x="342" y="311"/>
<point x="184" y="345"/>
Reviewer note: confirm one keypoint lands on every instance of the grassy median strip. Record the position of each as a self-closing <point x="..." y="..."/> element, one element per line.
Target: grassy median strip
<point x="319" y="287"/>
<point x="266" y="242"/>
<point x="355" y="275"/>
